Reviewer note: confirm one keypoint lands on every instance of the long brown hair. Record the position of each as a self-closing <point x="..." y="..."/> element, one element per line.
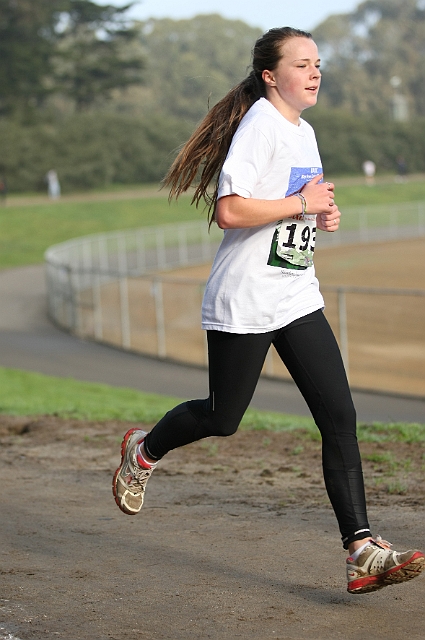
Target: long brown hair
<point x="204" y="153"/>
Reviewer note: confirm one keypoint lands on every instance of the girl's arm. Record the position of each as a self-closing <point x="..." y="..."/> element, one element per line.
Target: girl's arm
<point x="236" y="212"/>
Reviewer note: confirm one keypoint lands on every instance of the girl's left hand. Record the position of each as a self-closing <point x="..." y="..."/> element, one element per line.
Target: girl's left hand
<point x="329" y="221"/>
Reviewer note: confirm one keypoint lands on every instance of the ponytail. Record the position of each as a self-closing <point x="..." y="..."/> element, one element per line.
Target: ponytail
<point x="204" y="153"/>
<point x="207" y="148"/>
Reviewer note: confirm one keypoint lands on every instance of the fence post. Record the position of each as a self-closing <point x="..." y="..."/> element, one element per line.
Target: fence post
<point x="183" y="252"/>
<point x="75" y="280"/>
<point x="122" y="255"/>
<point x="72" y="313"/>
<point x="97" y="313"/>
<point x="343" y="328"/>
<point x="160" y="248"/>
<point x="159" y="314"/>
<point x="124" y="313"/>
<point x="87" y="264"/>
<point x="102" y="254"/>
<point x="140" y="252"/>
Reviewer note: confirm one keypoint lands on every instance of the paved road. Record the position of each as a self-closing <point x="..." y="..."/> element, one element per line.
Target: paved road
<point x="29" y="341"/>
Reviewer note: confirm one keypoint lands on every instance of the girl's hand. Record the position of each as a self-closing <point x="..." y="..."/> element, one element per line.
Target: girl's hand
<point x="319" y="197"/>
<point x="320" y="201"/>
<point x="329" y="221"/>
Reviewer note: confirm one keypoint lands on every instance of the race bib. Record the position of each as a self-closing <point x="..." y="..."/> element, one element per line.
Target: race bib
<point x="296" y="240"/>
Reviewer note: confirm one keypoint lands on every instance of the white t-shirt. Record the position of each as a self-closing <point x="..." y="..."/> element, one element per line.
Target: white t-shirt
<point x="250" y="288"/>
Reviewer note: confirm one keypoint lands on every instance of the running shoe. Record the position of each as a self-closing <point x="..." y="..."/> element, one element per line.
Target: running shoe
<point x="128" y="485"/>
<point x="378" y="566"/>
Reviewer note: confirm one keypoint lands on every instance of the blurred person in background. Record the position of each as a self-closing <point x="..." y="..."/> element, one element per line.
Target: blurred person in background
<point x="53" y="185"/>
<point x="369" y="170"/>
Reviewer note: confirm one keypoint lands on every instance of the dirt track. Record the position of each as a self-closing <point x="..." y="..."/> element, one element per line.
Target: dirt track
<point x="225" y="546"/>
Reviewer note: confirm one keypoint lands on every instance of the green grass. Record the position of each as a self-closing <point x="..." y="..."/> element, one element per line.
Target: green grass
<point x="394" y="432"/>
<point x="376" y="203"/>
<point x="25" y="393"/>
<point x="27" y="231"/>
<point x="379" y="194"/>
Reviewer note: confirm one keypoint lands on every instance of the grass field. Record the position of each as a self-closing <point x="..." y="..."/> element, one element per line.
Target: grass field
<point x="386" y="193"/>
<point x="27" y="230"/>
<point x="25" y="393"/>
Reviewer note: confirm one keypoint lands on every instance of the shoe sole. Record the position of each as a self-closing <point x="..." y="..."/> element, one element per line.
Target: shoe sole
<point x="402" y="573"/>
<point x="117" y="472"/>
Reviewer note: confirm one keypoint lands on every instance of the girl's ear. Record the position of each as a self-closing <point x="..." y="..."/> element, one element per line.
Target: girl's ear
<point x="268" y="78"/>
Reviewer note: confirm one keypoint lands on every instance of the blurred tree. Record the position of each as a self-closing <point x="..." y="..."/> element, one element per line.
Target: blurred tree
<point x="92" y="150"/>
<point x="27" y="41"/>
<point x="73" y="46"/>
<point x="90" y="52"/>
<point x="191" y="64"/>
<point x="364" y="50"/>
<point x="95" y="55"/>
<point x="346" y="140"/>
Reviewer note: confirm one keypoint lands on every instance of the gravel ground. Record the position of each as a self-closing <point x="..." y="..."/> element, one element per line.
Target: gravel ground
<point x="236" y="540"/>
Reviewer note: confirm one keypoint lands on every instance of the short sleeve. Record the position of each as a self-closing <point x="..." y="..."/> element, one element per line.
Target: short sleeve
<point x="247" y="160"/>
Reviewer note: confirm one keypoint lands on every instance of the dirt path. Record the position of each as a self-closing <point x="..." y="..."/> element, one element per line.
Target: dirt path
<point x="224" y="548"/>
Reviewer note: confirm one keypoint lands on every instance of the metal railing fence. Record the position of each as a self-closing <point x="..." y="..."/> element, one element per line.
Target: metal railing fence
<point x="92" y="261"/>
<point x="115" y="288"/>
<point x="378" y="223"/>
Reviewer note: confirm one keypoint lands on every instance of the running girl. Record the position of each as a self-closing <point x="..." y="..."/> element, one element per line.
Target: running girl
<point x="270" y="198"/>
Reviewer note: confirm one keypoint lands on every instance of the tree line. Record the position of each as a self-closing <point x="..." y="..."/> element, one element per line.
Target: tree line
<point x="103" y="100"/>
<point x="366" y="50"/>
<point x="73" y="48"/>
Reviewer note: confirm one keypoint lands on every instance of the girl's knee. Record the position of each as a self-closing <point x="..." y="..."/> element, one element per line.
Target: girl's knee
<point x="339" y="415"/>
<point x="211" y="422"/>
<point x="225" y="429"/>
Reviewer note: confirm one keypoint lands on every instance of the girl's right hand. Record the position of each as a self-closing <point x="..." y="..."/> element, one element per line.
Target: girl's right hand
<point x="319" y="197"/>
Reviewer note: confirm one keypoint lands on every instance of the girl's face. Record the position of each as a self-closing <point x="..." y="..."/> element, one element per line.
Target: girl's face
<point x="294" y="84"/>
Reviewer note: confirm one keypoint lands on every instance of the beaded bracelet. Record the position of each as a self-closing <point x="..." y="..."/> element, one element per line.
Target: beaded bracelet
<point x="303" y="202"/>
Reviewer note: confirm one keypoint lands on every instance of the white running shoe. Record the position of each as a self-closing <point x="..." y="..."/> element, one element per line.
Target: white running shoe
<point x="128" y="485"/>
<point x="378" y="566"/>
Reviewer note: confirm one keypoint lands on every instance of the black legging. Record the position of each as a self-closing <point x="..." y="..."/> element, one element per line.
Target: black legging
<point x="310" y="352"/>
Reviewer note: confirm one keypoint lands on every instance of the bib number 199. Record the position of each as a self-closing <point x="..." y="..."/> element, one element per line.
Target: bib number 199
<point x="296" y="242"/>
